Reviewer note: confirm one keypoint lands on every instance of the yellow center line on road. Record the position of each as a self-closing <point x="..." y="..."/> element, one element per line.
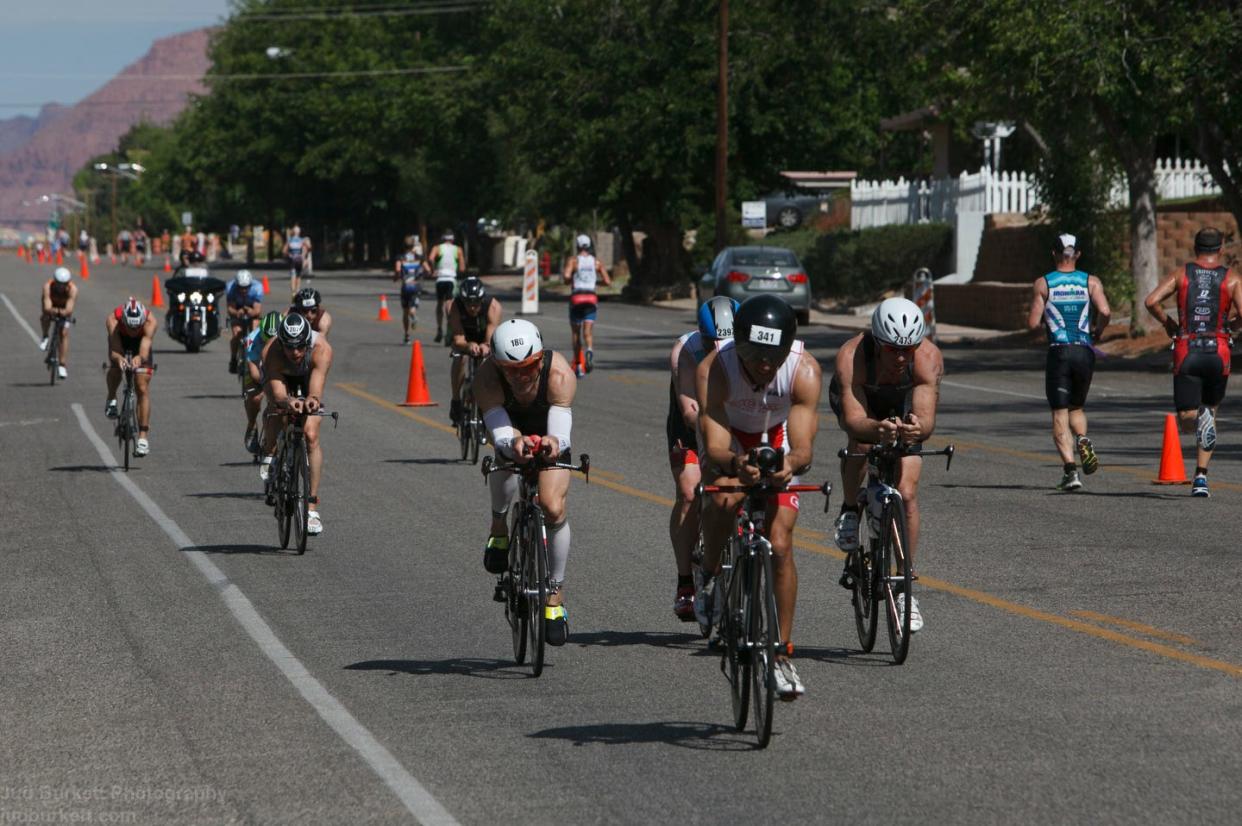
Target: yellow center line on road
<point x="1137" y="626"/>
<point x="932" y="583"/>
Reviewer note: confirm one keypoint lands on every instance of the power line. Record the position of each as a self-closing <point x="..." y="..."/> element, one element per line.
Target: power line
<point x="450" y="7"/>
<point x="424" y="70"/>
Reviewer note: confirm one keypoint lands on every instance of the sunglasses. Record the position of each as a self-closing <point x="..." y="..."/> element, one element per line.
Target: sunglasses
<point x="524" y="369"/>
<point x="899" y="351"/>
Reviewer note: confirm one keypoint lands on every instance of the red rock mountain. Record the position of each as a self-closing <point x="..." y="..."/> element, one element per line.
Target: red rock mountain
<point x="47" y="151"/>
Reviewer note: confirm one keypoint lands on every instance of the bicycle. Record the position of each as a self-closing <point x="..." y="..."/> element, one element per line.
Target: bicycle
<point x="288" y="485"/>
<point x="524" y="585"/>
<point x="470" y="432"/>
<point x="126" y="430"/>
<point x="749" y="626"/>
<point x="53" y="348"/>
<point x="880" y="570"/>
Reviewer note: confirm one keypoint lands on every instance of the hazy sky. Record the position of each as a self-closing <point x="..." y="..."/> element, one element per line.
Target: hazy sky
<point x="61" y="51"/>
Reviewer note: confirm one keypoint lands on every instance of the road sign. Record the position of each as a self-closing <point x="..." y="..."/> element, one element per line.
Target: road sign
<point x="530" y="284"/>
<point x="187" y="219"/>
<point x="754" y="215"/>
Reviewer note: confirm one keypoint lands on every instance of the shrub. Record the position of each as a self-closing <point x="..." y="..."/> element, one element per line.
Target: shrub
<point x="857" y="265"/>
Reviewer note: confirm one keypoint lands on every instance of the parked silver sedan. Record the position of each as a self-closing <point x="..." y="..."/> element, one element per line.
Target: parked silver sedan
<point x="740" y="272"/>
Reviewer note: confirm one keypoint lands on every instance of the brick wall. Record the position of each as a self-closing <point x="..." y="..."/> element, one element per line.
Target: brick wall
<point x="1011" y="250"/>
<point x="993" y="305"/>
<point x="1175" y="237"/>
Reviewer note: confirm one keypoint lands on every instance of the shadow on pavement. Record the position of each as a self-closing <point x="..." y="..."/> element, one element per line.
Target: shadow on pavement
<point x="228" y="494"/>
<point x="455" y="667"/>
<point x="83" y="468"/>
<point x="698" y="736"/>
<point x="30" y="383"/>
<point x="268" y="550"/>
<point x="613" y="639"/>
<point x="214" y="396"/>
<point x="248" y="463"/>
<point x="848" y="656"/>
<point x="425" y="461"/>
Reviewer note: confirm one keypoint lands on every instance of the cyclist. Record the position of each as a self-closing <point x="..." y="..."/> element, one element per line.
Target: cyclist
<point x="60" y="296"/>
<point x="1063" y="301"/>
<point x="525" y="393"/>
<point x="447" y="262"/>
<point x="407" y="270"/>
<point x="131" y="334"/>
<point x="583" y="271"/>
<point x="760" y="387"/>
<point x="296" y="250"/>
<point x="1207" y="291"/>
<point x="244" y="300"/>
<point x="309" y="303"/>
<point x="294" y="376"/>
<point x="473" y="317"/>
<point x="885" y="390"/>
<point x="252" y="363"/>
<point x="682" y="428"/>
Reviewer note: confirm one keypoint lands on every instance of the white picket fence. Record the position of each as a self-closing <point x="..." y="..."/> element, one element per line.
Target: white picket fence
<point x="880" y="203"/>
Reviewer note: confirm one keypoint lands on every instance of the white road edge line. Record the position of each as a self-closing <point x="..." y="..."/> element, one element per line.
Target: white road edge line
<point x="992" y="390"/>
<point x="19" y="318"/>
<point x="418" y="801"/>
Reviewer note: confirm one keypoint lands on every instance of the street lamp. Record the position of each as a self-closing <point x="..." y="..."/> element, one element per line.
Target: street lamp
<point x="277" y="52"/>
<point x="992" y="134"/>
<point x="127" y="170"/>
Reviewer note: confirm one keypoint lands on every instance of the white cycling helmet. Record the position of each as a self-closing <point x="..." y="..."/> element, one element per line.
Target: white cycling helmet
<point x="584" y="242"/>
<point x="244" y="279"/>
<point x="516" y="342"/>
<point x="133" y="313"/>
<point x="899" y="322"/>
<point x="62" y="275"/>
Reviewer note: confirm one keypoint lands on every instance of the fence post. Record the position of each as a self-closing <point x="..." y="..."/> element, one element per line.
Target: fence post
<point x="924" y="297"/>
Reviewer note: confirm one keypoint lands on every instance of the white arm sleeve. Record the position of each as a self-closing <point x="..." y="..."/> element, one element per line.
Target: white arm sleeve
<point x="560" y="423"/>
<point x="497" y="421"/>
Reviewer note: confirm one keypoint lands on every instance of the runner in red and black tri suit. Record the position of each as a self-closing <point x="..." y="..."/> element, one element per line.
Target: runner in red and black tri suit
<point x="1208" y="292"/>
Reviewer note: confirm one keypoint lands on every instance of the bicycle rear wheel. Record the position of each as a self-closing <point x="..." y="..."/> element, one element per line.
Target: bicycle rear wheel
<point x="696" y="570"/>
<point x="463" y="435"/>
<point x="537" y="570"/>
<point x="733" y="634"/>
<point x="475" y="434"/>
<point x="898" y="576"/>
<point x="515" y="602"/>
<point x="299" y="491"/>
<point x="762" y="627"/>
<point x="284" y="514"/>
<point x="866" y="597"/>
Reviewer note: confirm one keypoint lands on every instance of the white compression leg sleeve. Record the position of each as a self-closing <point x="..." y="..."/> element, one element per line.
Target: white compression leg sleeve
<point x="558" y="550"/>
<point x="503" y="486"/>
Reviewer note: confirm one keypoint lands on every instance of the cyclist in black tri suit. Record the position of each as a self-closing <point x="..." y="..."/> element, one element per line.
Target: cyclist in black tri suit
<point x="1207" y="293"/>
<point x="525" y="393"/>
<point x="473" y="317"/>
<point x="885" y="390"/>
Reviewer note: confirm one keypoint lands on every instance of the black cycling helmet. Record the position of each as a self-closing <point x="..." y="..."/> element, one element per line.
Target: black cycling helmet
<point x="295" y="332"/>
<point x="472" y="290"/>
<point x="763" y="329"/>
<point x="307" y="298"/>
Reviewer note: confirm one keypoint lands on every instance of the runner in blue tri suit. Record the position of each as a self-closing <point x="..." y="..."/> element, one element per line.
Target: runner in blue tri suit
<point x="1063" y="301"/>
<point x="408" y="270"/>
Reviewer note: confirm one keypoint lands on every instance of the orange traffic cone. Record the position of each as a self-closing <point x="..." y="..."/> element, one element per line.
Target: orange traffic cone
<point x="157" y="295"/>
<point x="113" y="257"/>
<point x="416" y="393"/>
<point x="84" y="270"/>
<point x="383" y="313"/>
<point x="167" y="264"/>
<point x="60" y="258"/>
<point x="21" y="252"/>
<point x="1172" y="466"/>
<point x="267" y="288"/>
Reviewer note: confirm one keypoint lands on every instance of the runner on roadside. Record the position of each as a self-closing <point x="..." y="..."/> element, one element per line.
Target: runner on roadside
<point x="408" y="270"/>
<point x="1207" y="291"/>
<point x="447" y="262"/>
<point x="583" y="271"/>
<point x="1063" y="301"/>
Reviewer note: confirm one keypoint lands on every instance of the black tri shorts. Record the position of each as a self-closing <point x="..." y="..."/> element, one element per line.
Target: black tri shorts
<point x="1200" y="381"/>
<point x="1067" y="375"/>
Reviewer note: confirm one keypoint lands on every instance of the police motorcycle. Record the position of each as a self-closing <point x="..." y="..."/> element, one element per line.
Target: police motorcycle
<point x="194" y="295"/>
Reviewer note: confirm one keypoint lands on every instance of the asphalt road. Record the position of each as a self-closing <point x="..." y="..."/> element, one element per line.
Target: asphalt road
<point x="166" y="663"/>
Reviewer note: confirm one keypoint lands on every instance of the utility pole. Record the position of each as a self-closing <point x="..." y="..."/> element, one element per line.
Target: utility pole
<point x="722" y="125"/>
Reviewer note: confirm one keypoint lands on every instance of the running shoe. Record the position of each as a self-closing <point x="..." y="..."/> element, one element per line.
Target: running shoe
<point x="233" y="366"/>
<point x="916" y="616"/>
<point x="555" y="624"/>
<point x="1205" y="429"/>
<point x="406" y="340"/>
<point x="788" y="684"/>
<point x="110" y="409"/>
<point x="439" y="336"/>
<point x="847" y="531"/>
<point x="43" y="343"/>
<point x="62" y="371"/>
<point x="1070" y="481"/>
<point x="1200" y="486"/>
<point x="683" y="603"/>
<point x="496" y="554"/>
<point x="314" y="524"/>
<point x="1086" y="456"/>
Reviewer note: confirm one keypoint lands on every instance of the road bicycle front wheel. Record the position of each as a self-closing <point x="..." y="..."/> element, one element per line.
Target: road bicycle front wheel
<point x="864" y="570"/>
<point x="762" y="625"/>
<point x="284" y="514"/>
<point x="515" y="600"/>
<point x="299" y="491"/>
<point x="475" y="433"/>
<point x="129" y="425"/>
<point x="52" y="364"/>
<point x="733" y="633"/>
<point x="898" y="579"/>
<point x="463" y="435"/>
<point x="537" y="569"/>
